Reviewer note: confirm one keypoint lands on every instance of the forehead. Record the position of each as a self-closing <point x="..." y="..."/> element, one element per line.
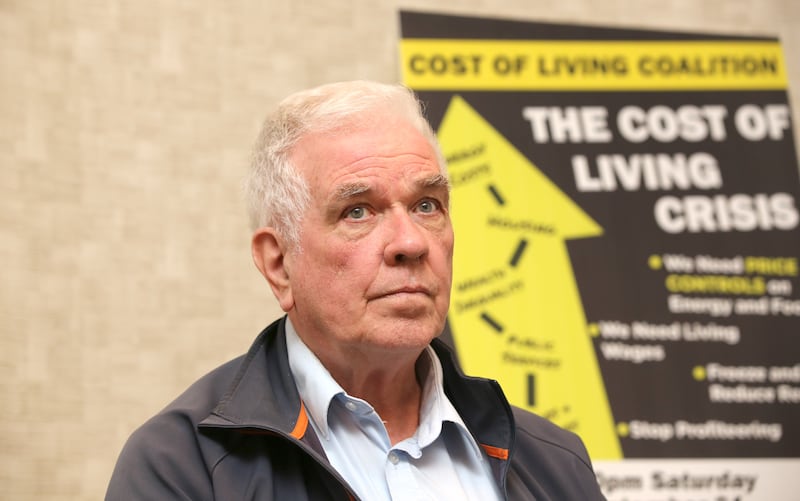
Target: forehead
<point x="380" y="149"/>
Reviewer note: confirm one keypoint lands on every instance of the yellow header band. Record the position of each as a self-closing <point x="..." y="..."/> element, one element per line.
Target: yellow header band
<point x="544" y="65"/>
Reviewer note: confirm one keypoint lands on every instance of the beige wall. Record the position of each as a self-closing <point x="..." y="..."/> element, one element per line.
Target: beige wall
<point x="125" y="126"/>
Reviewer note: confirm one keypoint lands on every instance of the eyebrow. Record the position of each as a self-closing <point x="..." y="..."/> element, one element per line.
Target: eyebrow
<point x="350" y="190"/>
<point x="435" y="181"/>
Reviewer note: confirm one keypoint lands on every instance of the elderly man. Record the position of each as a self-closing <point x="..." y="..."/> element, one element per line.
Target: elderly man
<point x="350" y="396"/>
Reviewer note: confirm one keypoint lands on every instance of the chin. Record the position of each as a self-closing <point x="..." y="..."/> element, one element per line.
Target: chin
<point x="407" y="334"/>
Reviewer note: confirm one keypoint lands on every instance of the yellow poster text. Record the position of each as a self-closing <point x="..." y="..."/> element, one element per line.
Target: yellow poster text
<point x="503" y="65"/>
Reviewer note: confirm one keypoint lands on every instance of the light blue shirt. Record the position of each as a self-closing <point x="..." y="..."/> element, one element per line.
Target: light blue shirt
<point x="440" y="462"/>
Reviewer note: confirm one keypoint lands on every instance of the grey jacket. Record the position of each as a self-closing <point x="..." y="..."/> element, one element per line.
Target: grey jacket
<point x="242" y="433"/>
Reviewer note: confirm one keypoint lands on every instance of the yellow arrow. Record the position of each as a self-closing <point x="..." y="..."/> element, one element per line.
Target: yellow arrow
<point x="516" y="315"/>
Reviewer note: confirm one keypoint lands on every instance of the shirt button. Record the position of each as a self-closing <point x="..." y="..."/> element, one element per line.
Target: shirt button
<point x="393" y="458"/>
<point x="351" y="406"/>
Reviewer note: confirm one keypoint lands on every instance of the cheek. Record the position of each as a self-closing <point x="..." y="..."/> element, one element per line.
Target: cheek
<point x="445" y="244"/>
<point x="338" y="265"/>
<point x="341" y="259"/>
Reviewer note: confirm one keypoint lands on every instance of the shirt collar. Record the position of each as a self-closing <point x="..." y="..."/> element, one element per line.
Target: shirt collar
<point x="436" y="408"/>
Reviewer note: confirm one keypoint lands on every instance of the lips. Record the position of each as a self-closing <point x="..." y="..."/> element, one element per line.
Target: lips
<point x="399" y="291"/>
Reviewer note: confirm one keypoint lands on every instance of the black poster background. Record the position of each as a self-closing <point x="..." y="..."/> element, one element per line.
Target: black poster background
<point x="612" y="272"/>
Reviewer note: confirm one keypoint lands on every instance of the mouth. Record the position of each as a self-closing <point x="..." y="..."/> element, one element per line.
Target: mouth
<point x="409" y="290"/>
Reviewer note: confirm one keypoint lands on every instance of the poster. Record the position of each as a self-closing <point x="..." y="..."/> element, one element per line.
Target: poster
<point x="625" y="205"/>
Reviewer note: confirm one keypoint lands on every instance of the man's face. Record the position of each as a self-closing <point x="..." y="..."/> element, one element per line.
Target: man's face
<point x="374" y="264"/>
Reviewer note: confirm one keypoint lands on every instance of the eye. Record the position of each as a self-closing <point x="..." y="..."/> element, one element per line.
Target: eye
<point x="428" y="206"/>
<point x="356" y="213"/>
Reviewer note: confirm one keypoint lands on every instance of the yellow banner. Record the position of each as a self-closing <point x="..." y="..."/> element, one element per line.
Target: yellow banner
<point x="545" y="65"/>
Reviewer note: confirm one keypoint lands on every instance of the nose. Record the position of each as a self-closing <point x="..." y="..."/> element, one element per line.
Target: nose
<point x="406" y="241"/>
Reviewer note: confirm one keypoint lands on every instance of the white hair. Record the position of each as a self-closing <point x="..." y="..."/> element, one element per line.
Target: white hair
<point x="277" y="195"/>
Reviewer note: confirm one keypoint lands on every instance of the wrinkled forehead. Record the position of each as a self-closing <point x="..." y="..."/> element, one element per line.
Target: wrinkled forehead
<point x="368" y="145"/>
<point x="420" y="181"/>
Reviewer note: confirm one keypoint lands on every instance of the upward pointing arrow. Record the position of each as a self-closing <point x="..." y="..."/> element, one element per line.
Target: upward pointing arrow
<point x="511" y="265"/>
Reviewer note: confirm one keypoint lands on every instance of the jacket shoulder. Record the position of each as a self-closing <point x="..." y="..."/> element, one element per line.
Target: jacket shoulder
<point x="546" y="434"/>
<point x="164" y="458"/>
<point x="552" y="459"/>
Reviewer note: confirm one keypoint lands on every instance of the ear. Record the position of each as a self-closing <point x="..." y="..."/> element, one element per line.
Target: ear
<point x="268" y="254"/>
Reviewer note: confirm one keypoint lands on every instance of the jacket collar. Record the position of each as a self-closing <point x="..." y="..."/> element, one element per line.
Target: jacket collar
<point x="263" y="396"/>
<point x="481" y="404"/>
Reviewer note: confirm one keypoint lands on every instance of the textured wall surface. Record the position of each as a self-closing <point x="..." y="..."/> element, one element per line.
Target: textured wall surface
<point x="125" y="129"/>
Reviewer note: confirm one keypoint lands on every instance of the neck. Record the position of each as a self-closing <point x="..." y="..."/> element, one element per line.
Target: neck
<point x="390" y="387"/>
